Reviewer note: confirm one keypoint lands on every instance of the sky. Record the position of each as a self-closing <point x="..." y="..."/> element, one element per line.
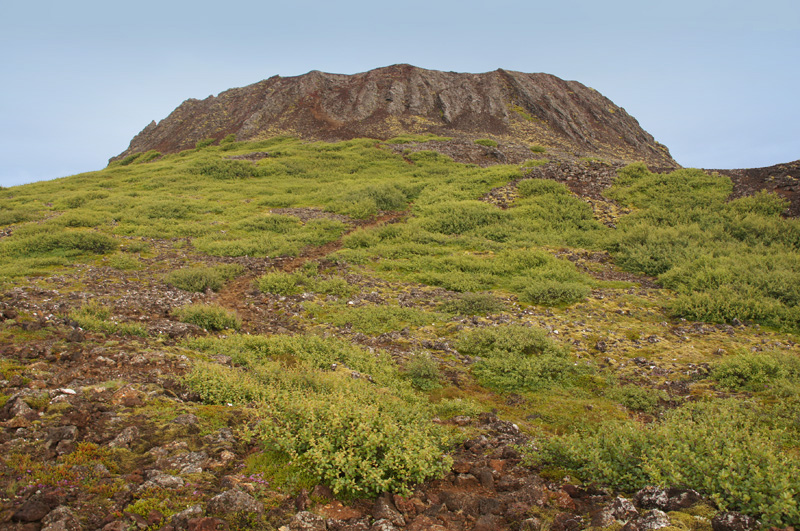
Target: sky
<point x="715" y="81"/>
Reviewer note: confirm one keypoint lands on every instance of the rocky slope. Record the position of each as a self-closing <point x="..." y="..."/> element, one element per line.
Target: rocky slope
<point x="782" y="179"/>
<point x="385" y="102"/>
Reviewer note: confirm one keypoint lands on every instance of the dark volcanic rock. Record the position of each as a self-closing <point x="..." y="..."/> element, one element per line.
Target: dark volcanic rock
<point x="781" y="179"/>
<point x="385" y="102"/>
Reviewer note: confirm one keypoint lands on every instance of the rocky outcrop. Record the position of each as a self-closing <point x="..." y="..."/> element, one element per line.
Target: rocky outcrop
<point x="385" y="102"/>
<point x="781" y="179"/>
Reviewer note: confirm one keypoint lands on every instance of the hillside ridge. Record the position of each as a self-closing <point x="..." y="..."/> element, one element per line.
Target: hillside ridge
<point x="386" y="102"/>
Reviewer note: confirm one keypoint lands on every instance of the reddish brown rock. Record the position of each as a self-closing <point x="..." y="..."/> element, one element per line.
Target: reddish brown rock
<point x="386" y="101"/>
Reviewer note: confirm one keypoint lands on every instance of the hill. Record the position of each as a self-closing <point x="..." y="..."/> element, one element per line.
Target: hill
<point x="465" y="332"/>
<point x="386" y="102"/>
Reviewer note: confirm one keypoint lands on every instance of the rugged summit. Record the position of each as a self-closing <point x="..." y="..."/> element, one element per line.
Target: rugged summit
<point x="386" y="102"/>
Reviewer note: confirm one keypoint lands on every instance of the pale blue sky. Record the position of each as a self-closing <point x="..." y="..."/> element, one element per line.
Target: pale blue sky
<point x="716" y="81"/>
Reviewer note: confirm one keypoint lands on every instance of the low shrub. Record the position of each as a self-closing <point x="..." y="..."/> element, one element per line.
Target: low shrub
<point x="553" y="292"/>
<point x="473" y="304"/>
<point x="533" y="187"/>
<point x="63" y="241"/>
<point x="208" y="316"/>
<point x="538" y="149"/>
<point x="423" y="372"/>
<point x="204" y="143"/>
<point x="95" y="317"/>
<point x="199" y="279"/>
<point x="637" y="398"/>
<point x="755" y="371"/>
<point x="224" y="169"/>
<point x="486" y="142"/>
<point x="124" y="262"/>
<point x="358" y="437"/>
<point x="279" y="283"/>
<point x="717" y="448"/>
<point x="517" y="358"/>
<point x="372" y="319"/>
<point x="459" y="217"/>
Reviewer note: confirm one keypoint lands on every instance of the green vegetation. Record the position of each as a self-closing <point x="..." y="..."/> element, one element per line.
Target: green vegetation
<point x="473" y="304"/>
<point x="208" y="316"/>
<point x="282" y="283"/>
<point x="756" y="371"/>
<point x="486" y="142"/>
<point x="423" y="372"/>
<point x="538" y="149"/>
<point x="726" y="260"/>
<point x="718" y="448"/>
<point x="324" y="407"/>
<point x="93" y="316"/>
<point x="360" y="436"/>
<point x="372" y="319"/>
<point x="518" y="358"/>
<point x="202" y="278"/>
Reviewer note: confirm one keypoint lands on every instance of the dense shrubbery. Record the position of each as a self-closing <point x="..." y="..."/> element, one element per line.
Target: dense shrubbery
<point x="718" y="448"/>
<point x="473" y="304"/>
<point x="358" y="437"/>
<point x="208" y="316"/>
<point x="727" y="260"/>
<point x="756" y="371"/>
<point x="202" y="278"/>
<point x="282" y="283"/>
<point x="372" y="319"/>
<point x="423" y="372"/>
<point x="517" y="358"/>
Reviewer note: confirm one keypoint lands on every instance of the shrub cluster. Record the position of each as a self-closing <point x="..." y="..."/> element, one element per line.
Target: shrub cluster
<point x="517" y="358"/>
<point x="208" y="316"/>
<point x="473" y="304"/>
<point x="360" y="436"/>
<point x="717" y="448"/>
<point x="95" y="317"/>
<point x="755" y="371"/>
<point x="727" y="260"/>
<point x="199" y="279"/>
<point x="283" y="283"/>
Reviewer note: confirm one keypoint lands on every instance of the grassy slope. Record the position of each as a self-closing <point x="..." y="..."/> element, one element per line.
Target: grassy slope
<point x="402" y="285"/>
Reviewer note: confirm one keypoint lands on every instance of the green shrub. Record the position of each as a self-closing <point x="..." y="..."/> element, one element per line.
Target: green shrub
<point x="534" y="187"/>
<point x="95" y="317"/>
<point x="636" y="398"/>
<point x="423" y="372"/>
<point x="486" y="142"/>
<point x="473" y="304"/>
<point x="199" y="279"/>
<point x="461" y="217"/>
<point x="229" y="139"/>
<point x="224" y="169"/>
<point x="63" y="241"/>
<point x="130" y="159"/>
<point x="279" y="283"/>
<point x="517" y="358"/>
<point x="11" y="216"/>
<point x="754" y="371"/>
<point x="124" y="262"/>
<point x="208" y="316"/>
<point x="372" y="319"/>
<point x="359" y="438"/>
<point x="204" y="143"/>
<point x="717" y="448"/>
<point x="538" y="149"/>
<point x="553" y="292"/>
